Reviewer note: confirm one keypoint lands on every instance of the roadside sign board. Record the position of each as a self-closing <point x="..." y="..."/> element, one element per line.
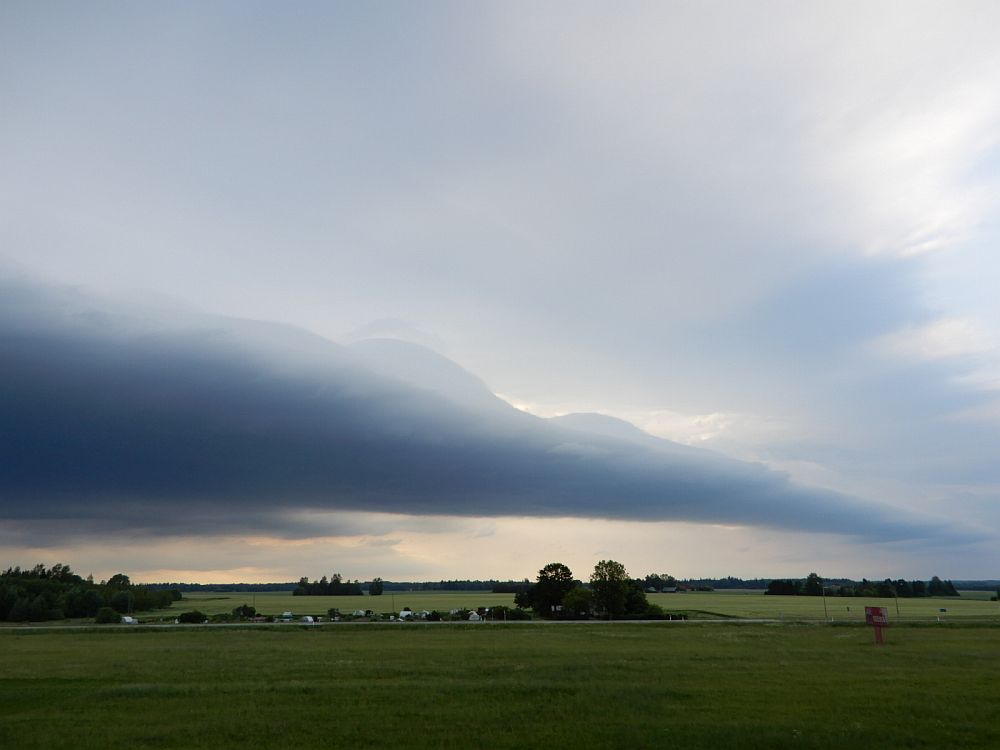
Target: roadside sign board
<point x="877" y="616"/>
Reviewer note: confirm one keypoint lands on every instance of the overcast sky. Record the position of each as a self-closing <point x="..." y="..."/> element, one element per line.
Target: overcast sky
<point x="764" y="230"/>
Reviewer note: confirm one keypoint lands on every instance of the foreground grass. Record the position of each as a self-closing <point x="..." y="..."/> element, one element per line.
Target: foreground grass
<point x="591" y="686"/>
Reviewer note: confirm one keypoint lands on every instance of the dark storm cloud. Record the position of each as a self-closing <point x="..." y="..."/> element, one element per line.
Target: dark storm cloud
<point x="121" y="420"/>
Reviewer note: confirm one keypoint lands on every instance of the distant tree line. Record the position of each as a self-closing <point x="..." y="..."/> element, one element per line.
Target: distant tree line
<point x="511" y="587"/>
<point x="335" y="586"/>
<point x="455" y="585"/>
<point x="377" y="586"/>
<point x="504" y="587"/>
<point x="247" y="587"/>
<point x="39" y="594"/>
<point x="728" y="582"/>
<point x="813" y="585"/>
<point x="987" y="585"/>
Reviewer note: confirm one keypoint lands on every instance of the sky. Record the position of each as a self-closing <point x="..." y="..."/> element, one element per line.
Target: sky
<point x="452" y="290"/>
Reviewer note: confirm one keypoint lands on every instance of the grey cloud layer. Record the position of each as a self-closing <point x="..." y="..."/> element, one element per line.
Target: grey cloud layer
<point x="196" y="425"/>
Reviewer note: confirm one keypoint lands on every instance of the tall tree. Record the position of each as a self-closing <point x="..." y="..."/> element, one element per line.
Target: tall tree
<point x="555" y="580"/>
<point x="119" y="581"/>
<point x="610" y="582"/>
<point x="375" y="588"/>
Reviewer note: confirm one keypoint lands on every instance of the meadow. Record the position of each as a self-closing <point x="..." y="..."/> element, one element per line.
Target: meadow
<point x="696" y="604"/>
<point x="686" y="685"/>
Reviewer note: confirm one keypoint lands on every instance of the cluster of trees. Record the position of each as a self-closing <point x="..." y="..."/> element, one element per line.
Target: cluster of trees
<point x="659" y="582"/>
<point x="813" y="585"/>
<point x="39" y="594"/>
<point x="336" y="586"/>
<point x="611" y="593"/>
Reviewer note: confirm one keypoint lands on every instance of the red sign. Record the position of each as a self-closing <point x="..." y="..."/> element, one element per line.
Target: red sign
<point x="877" y="616"/>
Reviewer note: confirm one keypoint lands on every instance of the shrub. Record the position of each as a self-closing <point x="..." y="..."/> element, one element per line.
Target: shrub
<point x="654" y="612"/>
<point x="501" y="612"/>
<point x="192" y="617"/>
<point x="107" y="616"/>
<point x="244" y="611"/>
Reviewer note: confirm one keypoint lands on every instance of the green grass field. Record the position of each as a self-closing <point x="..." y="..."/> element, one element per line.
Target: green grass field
<point x="745" y="604"/>
<point x="274" y="603"/>
<point x="754" y="604"/>
<point x="614" y="685"/>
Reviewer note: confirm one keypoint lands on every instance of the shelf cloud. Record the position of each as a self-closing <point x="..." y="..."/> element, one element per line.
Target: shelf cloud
<point x="134" y="419"/>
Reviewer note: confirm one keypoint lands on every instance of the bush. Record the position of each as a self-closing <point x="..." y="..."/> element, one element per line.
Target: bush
<point x="508" y="613"/>
<point x="192" y="617"/>
<point x="654" y="612"/>
<point x="244" y="611"/>
<point x="107" y="616"/>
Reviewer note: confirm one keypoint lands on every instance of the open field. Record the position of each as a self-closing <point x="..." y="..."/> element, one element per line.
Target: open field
<point x="276" y="602"/>
<point x="746" y="604"/>
<point x="587" y="685"/>
<point x="755" y="604"/>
